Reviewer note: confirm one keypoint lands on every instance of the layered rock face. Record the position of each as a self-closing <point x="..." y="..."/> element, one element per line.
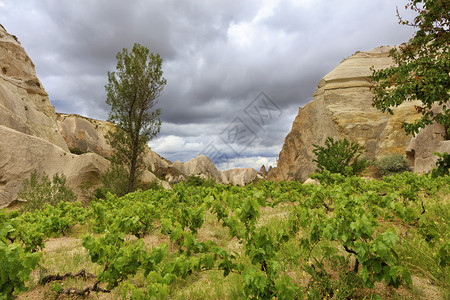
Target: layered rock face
<point x="24" y="104"/>
<point x="342" y="108"/>
<point x="89" y="135"/>
<point x="30" y="139"/>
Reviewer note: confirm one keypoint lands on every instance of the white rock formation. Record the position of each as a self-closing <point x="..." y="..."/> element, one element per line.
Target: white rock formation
<point x="342" y="108"/>
<point x="22" y="153"/>
<point x="24" y="104"/>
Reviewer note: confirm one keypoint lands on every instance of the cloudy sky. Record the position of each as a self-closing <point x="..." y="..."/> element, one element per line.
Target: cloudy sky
<point x="237" y="71"/>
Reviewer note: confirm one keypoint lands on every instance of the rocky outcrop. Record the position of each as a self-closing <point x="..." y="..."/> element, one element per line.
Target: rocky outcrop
<point x="201" y="166"/>
<point x="342" y="107"/>
<point x="84" y="134"/>
<point x="23" y="153"/>
<point x="263" y="171"/>
<point x="89" y="135"/>
<point x="421" y="148"/>
<point x="24" y="104"/>
<point x="239" y="176"/>
<point x="30" y="136"/>
<point x="30" y="139"/>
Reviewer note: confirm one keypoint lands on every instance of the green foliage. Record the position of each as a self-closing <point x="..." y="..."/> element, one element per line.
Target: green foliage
<point x="442" y="165"/>
<point x="153" y="185"/>
<point x="21" y="235"/>
<point x="422" y="70"/>
<point x="340" y="156"/>
<point x="114" y="180"/>
<point x="389" y="165"/>
<point x="343" y="235"/>
<point x="132" y="91"/>
<point x="31" y="228"/>
<point x="194" y="180"/>
<point x="345" y="224"/>
<point x="17" y="266"/>
<point x="353" y="215"/>
<point x="39" y="190"/>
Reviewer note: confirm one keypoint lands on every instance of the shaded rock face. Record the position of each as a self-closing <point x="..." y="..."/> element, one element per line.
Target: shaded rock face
<point x="24" y="104"/>
<point x="263" y="171"/>
<point x="342" y="108"/>
<point x="419" y="152"/>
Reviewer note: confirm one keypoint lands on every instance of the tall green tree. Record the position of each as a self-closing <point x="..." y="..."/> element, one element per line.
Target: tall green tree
<point x="422" y="70"/>
<point x="132" y="91"/>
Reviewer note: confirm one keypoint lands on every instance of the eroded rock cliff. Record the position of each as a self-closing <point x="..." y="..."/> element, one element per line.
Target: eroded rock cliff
<point x="342" y="107"/>
<point x="30" y="139"/>
<point x="24" y="103"/>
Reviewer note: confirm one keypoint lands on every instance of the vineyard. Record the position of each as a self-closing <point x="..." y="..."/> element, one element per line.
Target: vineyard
<point x="348" y="237"/>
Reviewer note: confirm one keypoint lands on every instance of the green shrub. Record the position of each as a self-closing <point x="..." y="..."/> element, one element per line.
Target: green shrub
<point x="39" y="190"/>
<point x="442" y="165"/>
<point x="340" y="156"/>
<point x="393" y="164"/>
<point x="153" y="185"/>
<point x="114" y="180"/>
<point x="17" y="266"/>
<point x="194" y="180"/>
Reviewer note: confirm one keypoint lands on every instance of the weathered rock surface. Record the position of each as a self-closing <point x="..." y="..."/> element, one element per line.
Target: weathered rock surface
<point x="421" y="148"/>
<point x="22" y="153"/>
<point x="342" y="107"/>
<point x="85" y="134"/>
<point x="311" y="181"/>
<point x="148" y="177"/>
<point x="263" y="171"/>
<point x="201" y="166"/>
<point x="89" y="135"/>
<point x="240" y="176"/>
<point x="24" y="104"/>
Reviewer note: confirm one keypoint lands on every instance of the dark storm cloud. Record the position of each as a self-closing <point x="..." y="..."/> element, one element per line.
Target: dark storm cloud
<point x="218" y="56"/>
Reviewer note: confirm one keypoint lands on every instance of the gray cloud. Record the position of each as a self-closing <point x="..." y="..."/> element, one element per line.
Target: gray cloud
<point x="217" y="56"/>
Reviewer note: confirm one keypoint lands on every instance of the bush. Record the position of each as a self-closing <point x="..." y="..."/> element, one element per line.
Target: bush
<point x="194" y="180"/>
<point x="114" y="180"/>
<point x="340" y="156"/>
<point x="153" y="185"/>
<point x="393" y="164"/>
<point x="39" y="190"/>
